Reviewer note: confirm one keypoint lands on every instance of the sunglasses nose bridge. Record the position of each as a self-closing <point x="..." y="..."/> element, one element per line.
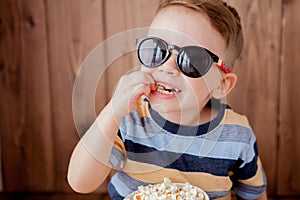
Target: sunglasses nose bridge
<point x="173" y="51"/>
<point x="170" y="66"/>
<point x="172" y="47"/>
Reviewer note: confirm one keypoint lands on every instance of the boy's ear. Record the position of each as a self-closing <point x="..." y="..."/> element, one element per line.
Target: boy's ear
<point x="225" y="86"/>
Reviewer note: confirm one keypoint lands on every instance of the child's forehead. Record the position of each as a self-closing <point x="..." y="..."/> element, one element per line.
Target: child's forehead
<point x="172" y="36"/>
<point x="182" y="27"/>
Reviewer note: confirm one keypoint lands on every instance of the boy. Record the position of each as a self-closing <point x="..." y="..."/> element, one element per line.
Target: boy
<point x="169" y="118"/>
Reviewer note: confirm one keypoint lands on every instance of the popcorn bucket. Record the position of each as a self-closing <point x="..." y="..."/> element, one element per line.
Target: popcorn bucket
<point x="168" y="191"/>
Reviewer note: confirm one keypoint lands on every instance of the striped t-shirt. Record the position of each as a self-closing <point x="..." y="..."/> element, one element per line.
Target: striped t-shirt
<point x="217" y="156"/>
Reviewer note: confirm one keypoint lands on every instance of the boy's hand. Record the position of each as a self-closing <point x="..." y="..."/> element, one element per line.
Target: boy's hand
<point x="128" y="91"/>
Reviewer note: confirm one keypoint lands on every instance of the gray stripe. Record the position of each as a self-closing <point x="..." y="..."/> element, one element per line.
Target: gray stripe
<point x="117" y="158"/>
<point x="251" y="192"/>
<point x="216" y="194"/>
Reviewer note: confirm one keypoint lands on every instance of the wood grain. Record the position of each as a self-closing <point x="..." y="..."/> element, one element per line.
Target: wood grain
<point x="129" y="15"/>
<point x="74" y="29"/>
<point x="257" y="93"/>
<point x="289" y="138"/>
<point x="26" y="131"/>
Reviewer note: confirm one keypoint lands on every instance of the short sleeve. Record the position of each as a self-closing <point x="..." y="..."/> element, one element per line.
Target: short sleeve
<point x="249" y="180"/>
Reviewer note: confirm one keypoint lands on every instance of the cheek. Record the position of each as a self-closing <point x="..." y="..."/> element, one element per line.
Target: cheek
<point x="197" y="86"/>
<point x="212" y="78"/>
<point x="146" y="69"/>
<point x="197" y="93"/>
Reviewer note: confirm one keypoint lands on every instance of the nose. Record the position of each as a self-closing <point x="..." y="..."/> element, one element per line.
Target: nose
<point x="170" y="67"/>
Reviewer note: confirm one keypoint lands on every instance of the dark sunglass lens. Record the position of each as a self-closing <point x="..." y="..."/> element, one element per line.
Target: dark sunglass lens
<point x="194" y="61"/>
<point x="152" y="52"/>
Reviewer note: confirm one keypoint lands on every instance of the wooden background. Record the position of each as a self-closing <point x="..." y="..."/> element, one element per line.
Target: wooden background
<point x="43" y="43"/>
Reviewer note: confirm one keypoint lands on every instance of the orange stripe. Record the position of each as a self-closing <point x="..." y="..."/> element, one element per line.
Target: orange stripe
<point x="231" y="117"/>
<point x="142" y="107"/>
<point x="154" y="174"/>
<point x="118" y="143"/>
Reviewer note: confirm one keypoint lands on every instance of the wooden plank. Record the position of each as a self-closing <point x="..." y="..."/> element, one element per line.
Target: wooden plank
<point x="25" y="124"/>
<point x="122" y="16"/>
<point x="289" y="136"/>
<point x="257" y="93"/>
<point x="116" y="22"/>
<point x="139" y="13"/>
<point x="75" y="28"/>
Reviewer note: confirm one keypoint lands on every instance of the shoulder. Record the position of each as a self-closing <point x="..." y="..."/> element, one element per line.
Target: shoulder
<point x="233" y="118"/>
<point x="236" y="127"/>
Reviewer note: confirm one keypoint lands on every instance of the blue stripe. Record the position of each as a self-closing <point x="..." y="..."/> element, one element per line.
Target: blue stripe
<point x="225" y="132"/>
<point x="117" y="158"/>
<point x="247" y="170"/>
<point x="120" y="187"/>
<point x="247" y="191"/>
<point x="186" y="162"/>
<point x="182" y="162"/>
<point x="113" y="192"/>
<point x="223" y="142"/>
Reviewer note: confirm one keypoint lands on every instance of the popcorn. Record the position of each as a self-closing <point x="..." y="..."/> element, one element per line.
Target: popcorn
<point x="168" y="191"/>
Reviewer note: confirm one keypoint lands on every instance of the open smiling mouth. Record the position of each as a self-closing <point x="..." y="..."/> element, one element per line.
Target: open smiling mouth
<point x="165" y="89"/>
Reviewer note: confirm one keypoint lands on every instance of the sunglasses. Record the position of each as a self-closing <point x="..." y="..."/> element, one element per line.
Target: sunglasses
<point x="193" y="61"/>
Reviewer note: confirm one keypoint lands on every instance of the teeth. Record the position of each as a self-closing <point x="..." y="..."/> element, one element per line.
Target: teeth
<point x="164" y="89"/>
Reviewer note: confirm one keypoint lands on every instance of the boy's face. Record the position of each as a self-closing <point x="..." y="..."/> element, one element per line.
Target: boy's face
<point x="193" y="93"/>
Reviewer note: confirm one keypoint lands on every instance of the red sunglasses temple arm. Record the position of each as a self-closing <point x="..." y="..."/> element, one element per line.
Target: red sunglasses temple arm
<point x="223" y="67"/>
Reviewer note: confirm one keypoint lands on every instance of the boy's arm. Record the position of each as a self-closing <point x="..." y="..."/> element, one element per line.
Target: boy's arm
<point x="89" y="165"/>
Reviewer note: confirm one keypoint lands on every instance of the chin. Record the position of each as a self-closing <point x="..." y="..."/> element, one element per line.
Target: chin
<point x="164" y="105"/>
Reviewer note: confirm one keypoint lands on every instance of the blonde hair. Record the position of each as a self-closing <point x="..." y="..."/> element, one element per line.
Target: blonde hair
<point x="223" y="18"/>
